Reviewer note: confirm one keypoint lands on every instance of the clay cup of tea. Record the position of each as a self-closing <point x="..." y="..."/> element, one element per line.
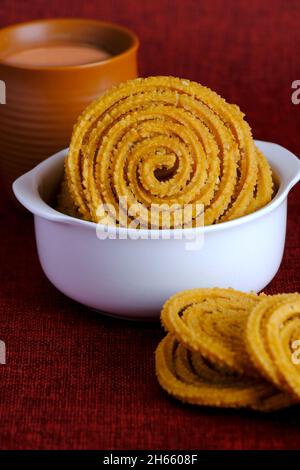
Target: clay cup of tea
<point x="50" y="71"/>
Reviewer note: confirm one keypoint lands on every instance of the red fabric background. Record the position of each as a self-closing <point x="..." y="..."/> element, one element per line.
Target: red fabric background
<point x="78" y="380"/>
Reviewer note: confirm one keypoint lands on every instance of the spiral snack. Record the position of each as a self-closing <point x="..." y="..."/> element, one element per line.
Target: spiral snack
<point x="273" y="328"/>
<point x="212" y="322"/>
<point x="275" y="401"/>
<point x="264" y="185"/>
<point x="150" y="147"/>
<point x="65" y="203"/>
<point x="272" y="401"/>
<point x="202" y="384"/>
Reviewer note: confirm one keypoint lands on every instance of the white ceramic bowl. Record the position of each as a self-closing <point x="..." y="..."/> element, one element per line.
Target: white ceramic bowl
<point x="132" y="278"/>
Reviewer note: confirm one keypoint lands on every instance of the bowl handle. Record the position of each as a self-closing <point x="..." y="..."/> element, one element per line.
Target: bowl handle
<point x="293" y="170"/>
<point x="26" y="191"/>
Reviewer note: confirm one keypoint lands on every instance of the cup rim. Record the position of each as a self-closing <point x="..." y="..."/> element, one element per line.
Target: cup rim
<point x="132" y="48"/>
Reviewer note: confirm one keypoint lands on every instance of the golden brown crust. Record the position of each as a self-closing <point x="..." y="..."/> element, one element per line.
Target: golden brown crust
<point x="164" y="140"/>
<point x="212" y="322"/>
<point x="208" y="386"/>
<point x="272" y="328"/>
<point x="230" y="349"/>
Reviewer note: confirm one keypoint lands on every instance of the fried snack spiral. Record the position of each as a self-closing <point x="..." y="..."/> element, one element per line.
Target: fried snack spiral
<point x="273" y="327"/>
<point x="194" y="380"/>
<point x="164" y="141"/>
<point x="264" y="185"/>
<point x="271" y="400"/>
<point x="212" y="322"/>
<point x="64" y="201"/>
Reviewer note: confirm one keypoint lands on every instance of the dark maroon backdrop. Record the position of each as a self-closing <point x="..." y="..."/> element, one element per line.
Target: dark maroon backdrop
<point x="78" y="380"/>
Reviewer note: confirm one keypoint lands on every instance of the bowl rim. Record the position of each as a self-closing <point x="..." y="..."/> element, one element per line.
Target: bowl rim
<point x="132" y="48"/>
<point x="34" y="202"/>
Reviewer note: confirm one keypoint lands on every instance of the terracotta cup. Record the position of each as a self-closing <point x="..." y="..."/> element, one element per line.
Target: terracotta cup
<point x="43" y="103"/>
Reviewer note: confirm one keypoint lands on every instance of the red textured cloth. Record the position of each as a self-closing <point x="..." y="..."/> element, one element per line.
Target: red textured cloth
<point x="78" y="380"/>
